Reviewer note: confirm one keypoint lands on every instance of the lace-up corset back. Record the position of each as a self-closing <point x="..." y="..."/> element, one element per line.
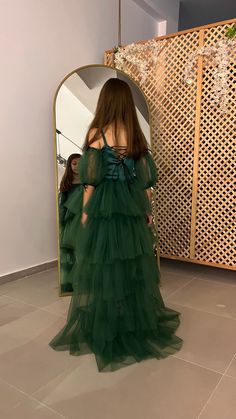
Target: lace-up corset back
<point x="120" y="166"/>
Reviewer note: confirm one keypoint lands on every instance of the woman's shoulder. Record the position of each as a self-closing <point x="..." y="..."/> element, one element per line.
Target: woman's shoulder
<point x="98" y="144"/>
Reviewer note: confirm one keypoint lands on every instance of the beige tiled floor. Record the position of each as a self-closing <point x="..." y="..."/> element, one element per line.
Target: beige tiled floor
<point x="199" y="382"/>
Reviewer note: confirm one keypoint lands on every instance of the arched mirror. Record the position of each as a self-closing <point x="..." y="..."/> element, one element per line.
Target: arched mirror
<point x="74" y="107"/>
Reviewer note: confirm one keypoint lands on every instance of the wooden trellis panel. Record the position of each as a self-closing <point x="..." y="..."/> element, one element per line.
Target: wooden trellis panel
<point x="215" y="222"/>
<point x="192" y="144"/>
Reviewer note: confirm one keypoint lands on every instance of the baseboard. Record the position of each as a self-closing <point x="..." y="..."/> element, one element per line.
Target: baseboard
<point x="28" y="272"/>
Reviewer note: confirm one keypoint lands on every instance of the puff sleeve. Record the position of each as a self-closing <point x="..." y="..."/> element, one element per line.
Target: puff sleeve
<point x="146" y="171"/>
<point x="91" y="167"/>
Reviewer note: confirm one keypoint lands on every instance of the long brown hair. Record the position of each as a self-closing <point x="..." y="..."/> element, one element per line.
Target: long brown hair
<point x="116" y="106"/>
<point x="68" y="176"/>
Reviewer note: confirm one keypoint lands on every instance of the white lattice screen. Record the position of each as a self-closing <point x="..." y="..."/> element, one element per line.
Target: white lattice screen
<point x="194" y="148"/>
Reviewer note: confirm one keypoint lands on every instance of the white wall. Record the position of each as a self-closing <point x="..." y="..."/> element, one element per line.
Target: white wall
<point x="137" y="25"/>
<point x="169" y="9"/>
<point x="41" y="41"/>
<point x="68" y="107"/>
<point x="163" y="10"/>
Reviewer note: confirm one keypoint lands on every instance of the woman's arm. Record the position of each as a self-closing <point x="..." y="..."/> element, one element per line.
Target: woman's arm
<point x="88" y="190"/>
<point x="149" y="216"/>
<point x="149" y="193"/>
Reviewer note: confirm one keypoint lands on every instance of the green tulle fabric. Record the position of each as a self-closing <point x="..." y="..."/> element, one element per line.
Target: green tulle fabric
<point x="116" y="311"/>
<point x="70" y="209"/>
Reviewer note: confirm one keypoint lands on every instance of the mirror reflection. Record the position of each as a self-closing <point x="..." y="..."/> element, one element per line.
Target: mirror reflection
<point x="75" y="107"/>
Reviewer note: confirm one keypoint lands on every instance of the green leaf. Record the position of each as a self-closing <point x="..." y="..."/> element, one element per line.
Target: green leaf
<point x="231" y="32"/>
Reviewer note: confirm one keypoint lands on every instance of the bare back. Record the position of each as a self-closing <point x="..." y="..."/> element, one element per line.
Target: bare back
<point x="110" y="137"/>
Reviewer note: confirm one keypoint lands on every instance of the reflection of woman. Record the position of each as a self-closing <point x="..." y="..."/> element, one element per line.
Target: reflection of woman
<point x="117" y="310"/>
<point x="70" y="209"/>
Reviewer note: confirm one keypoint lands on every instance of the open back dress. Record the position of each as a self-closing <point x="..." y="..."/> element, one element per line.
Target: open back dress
<point x="116" y="310"/>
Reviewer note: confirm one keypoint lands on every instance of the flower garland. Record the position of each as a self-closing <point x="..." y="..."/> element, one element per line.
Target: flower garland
<point x="219" y="56"/>
<point x="134" y="54"/>
<point x="143" y="55"/>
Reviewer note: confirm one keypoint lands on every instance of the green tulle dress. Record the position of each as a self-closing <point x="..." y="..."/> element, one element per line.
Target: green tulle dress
<point x="117" y="311"/>
<point x="70" y="210"/>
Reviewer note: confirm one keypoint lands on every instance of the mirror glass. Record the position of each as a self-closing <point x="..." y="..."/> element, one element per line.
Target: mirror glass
<point x="75" y="104"/>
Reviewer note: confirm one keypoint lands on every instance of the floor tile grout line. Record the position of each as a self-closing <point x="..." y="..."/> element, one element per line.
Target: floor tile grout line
<point x="179" y="289"/>
<point x="32" y="305"/>
<point x="52" y="312"/>
<point x="198" y="365"/>
<point x="56" y="315"/>
<point x="227" y="368"/>
<point x="170" y="295"/>
<point x="198" y="277"/>
<point x="56" y="377"/>
<point x="198" y="309"/>
<point x="180" y="271"/>
<point x="230" y="376"/>
<point x="166" y="298"/>
<point x="212" y="281"/>
<point x="202" y="269"/>
<point x="210" y="397"/>
<point x="213" y="392"/>
<point x="19" y="300"/>
<point x="179" y="275"/>
<point x="174" y="356"/>
<point x="32" y="398"/>
<point x="207" y="368"/>
<point x="33" y="312"/>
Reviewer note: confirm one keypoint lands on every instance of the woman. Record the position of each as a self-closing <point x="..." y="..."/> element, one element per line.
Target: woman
<point x="117" y="311"/>
<point x="70" y="209"/>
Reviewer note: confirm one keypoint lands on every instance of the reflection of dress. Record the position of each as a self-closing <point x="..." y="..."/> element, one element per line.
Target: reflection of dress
<point x="117" y="310"/>
<point x="70" y="207"/>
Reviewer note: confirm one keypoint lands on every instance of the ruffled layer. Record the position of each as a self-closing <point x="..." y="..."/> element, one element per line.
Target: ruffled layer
<point x="116" y="311"/>
<point x="67" y="261"/>
<point x="121" y="331"/>
<point x="70" y="217"/>
<point x="118" y="197"/>
<point x="116" y="228"/>
<point x="118" y="238"/>
<point x="70" y="223"/>
<point x="74" y="201"/>
<point x="115" y="282"/>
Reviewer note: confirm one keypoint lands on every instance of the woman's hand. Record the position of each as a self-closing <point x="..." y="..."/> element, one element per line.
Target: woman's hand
<point x="149" y="219"/>
<point x="84" y="218"/>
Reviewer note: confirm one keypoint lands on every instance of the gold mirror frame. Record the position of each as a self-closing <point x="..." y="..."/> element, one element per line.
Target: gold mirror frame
<point x="64" y="294"/>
